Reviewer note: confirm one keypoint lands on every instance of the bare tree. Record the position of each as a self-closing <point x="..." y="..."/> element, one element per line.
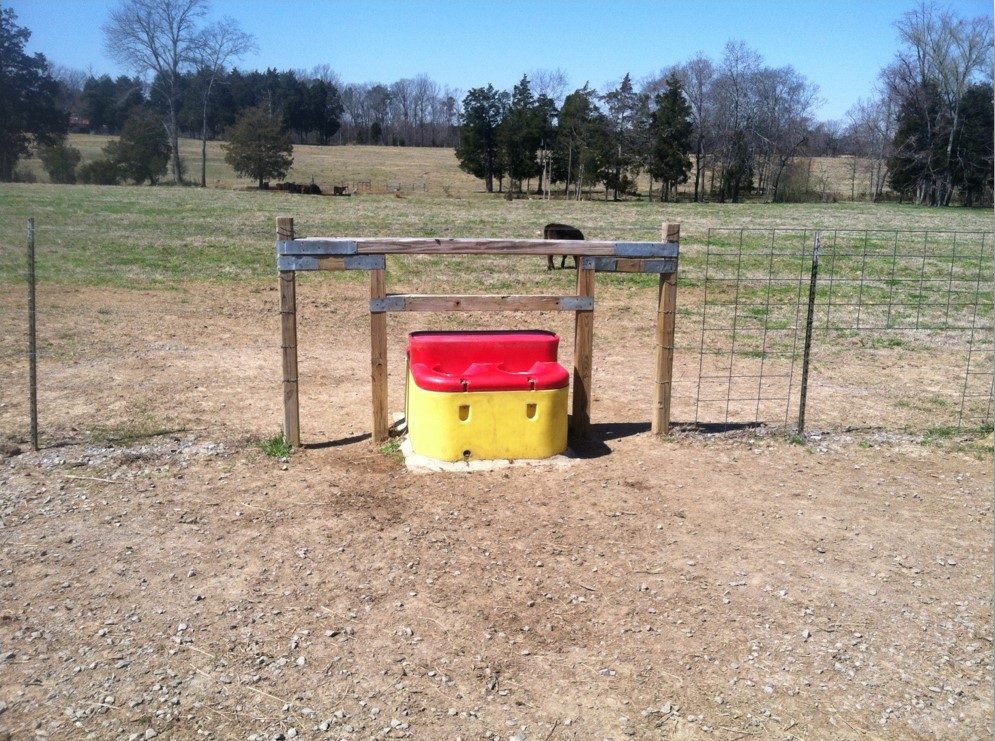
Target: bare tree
<point x="552" y="83"/>
<point x="161" y="38"/>
<point x="784" y="101"/>
<point x="697" y="77"/>
<point x="947" y="53"/>
<point x="72" y="81"/>
<point x="871" y="129"/>
<point x="401" y="94"/>
<point x="354" y="104"/>
<point x="325" y="73"/>
<point x="378" y="105"/>
<point x="735" y="111"/>
<point x="219" y="44"/>
<point x="424" y="93"/>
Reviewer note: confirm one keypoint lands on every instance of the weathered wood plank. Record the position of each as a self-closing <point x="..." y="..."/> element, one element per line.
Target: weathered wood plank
<point x="630" y="264"/>
<point x="665" y="321"/>
<point x="439" y="246"/>
<point x="378" y="358"/>
<point x="472" y="246"/>
<point x="288" y="337"/>
<point x="425" y="302"/>
<point x="583" y="358"/>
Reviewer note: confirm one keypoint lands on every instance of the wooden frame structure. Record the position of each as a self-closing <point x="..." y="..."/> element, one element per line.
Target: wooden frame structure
<point x="317" y="253"/>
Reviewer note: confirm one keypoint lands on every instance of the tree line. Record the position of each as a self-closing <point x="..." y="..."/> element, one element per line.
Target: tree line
<point x="737" y="127"/>
<point x="725" y="129"/>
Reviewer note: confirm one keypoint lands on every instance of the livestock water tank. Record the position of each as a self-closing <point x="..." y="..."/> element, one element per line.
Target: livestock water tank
<point x="486" y="395"/>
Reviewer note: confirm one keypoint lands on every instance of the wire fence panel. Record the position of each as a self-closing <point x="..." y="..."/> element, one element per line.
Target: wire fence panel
<point x="901" y="332"/>
<point x="902" y="327"/>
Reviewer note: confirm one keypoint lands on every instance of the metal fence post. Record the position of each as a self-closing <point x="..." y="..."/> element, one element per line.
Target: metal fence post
<point x="809" y="319"/>
<point x="32" y="337"/>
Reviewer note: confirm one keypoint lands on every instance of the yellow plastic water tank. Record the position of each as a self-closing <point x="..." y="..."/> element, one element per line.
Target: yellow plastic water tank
<point x="486" y="395"/>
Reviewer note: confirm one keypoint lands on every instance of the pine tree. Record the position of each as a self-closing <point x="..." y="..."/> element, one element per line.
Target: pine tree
<point x="29" y="110"/>
<point x="478" y="152"/>
<point x="521" y="134"/>
<point x="670" y="138"/>
<point x="258" y="146"/>
<point x="580" y="141"/>
<point x="973" y="147"/>
<point x="621" y="157"/>
<point x="142" y="152"/>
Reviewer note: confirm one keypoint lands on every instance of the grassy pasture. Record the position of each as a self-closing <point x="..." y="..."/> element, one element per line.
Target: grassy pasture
<point x="127" y="235"/>
<point x="432" y="170"/>
<point x="742" y="290"/>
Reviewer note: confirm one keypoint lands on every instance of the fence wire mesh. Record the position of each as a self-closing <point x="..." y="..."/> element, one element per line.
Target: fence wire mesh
<point x="902" y="332"/>
<point x="902" y="327"/>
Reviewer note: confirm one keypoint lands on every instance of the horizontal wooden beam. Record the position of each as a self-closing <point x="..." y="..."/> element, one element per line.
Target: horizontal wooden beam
<point x="316" y="246"/>
<point x="630" y="264"/>
<point x="330" y="262"/>
<point x="422" y="302"/>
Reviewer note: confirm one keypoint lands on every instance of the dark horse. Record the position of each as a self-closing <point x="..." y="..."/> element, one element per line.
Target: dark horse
<point x="560" y="231"/>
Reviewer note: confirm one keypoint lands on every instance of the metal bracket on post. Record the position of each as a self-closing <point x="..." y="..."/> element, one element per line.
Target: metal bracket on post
<point x="390" y="303"/>
<point x="316" y="247"/>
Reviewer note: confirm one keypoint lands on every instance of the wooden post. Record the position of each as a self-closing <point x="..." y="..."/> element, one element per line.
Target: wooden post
<point x="583" y="357"/>
<point x="378" y="357"/>
<point x="666" y="309"/>
<point x="288" y="333"/>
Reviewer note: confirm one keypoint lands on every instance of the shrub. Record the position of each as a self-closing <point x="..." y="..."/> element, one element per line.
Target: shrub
<point x="60" y="162"/>
<point x="100" y="172"/>
<point x="21" y="175"/>
<point x="142" y="152"/>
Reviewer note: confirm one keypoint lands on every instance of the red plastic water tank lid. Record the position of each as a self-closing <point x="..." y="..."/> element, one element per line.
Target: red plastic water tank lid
<point x="512" y="360"/>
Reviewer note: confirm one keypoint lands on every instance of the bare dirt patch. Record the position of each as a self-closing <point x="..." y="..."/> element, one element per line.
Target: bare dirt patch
<point x="161" y="575"/>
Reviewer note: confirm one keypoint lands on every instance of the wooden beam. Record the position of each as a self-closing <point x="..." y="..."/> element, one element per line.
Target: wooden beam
<point x="288" y="343"/>
<point x="420" y="246"/>
<point x="378" y="358"/>
<point x="315" y="246"/>
<point x="665" y="317"/>
<point x="628" y="265"/>
<point x="422" y="302"/>
<point x="583" y="358"/>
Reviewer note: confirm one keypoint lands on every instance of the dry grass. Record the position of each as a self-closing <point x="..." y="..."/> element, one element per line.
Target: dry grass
<point x="435" y="169"/>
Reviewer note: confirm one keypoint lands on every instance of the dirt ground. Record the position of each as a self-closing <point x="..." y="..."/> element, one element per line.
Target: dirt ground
<point x="160" y="576"/>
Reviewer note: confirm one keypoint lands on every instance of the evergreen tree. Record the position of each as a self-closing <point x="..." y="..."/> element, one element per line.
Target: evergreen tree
<point x="258" y="146"/>
<point x="521" y="134"/>
<point x="580" y="141"/>
<point x="142" y="152"/>
<point x="974" y="158"/>
<point x="107" y="103"/>
<point x="670" y="138"/>
<point x="478" y="150"/>
<point x="918" y="147"/>
<point x="621" y="160"/>
<point x="60" y="162"/>
<point x="29" y="110"/>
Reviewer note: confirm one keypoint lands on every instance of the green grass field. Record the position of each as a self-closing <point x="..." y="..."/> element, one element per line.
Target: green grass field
<point x="142" y="235"/>
<point x="742" y="287"/>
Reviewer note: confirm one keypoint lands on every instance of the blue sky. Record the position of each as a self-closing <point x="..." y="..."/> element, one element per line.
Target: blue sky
<point x="840" y="45"/>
